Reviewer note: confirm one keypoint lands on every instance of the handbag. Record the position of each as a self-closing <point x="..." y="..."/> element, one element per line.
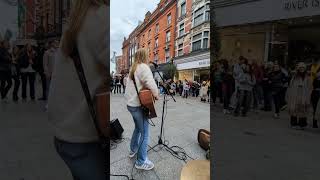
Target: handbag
<point x="116" y="129"/>
<point x="145" y="110"/>
<point x="204" y="139"/>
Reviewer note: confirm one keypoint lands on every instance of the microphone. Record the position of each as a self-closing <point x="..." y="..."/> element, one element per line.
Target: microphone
<point x="154" y="64"/>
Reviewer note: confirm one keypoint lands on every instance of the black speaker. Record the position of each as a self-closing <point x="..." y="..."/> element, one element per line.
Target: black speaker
<point x="116" y="129"/>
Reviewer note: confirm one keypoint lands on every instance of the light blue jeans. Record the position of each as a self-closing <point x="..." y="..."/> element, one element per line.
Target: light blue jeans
<point x="140" y="136"/>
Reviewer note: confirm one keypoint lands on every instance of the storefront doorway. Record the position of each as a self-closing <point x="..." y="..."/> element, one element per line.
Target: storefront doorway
<point x="304" y="44"/>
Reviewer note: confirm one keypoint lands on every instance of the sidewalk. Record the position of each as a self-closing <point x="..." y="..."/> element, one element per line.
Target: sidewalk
<point x="183" y="120"/>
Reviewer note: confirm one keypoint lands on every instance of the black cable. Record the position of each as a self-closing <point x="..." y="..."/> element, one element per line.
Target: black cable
<point x="180" y="153"/>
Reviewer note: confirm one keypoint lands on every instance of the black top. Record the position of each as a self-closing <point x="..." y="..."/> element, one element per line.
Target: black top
<point x="277" y="80"/>
<point x="316" y="83"/>
<point x="5" y="60"/>
<point x="24" y="61"/>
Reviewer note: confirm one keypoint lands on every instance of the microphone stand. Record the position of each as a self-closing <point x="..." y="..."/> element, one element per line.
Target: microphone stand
<point x="160" y="141"/>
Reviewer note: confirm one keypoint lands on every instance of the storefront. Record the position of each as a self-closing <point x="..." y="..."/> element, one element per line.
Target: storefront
<point x="194" y="66"/>
<point x="287" y="35"/>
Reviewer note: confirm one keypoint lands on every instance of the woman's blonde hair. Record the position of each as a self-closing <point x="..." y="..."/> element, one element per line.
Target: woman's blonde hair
<point x="141" y="56"/>
<point x="78" y="12"/>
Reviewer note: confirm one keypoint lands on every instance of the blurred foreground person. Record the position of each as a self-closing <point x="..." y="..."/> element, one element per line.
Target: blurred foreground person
<point x="76" y="139"/>
<point x="5" y="70"/>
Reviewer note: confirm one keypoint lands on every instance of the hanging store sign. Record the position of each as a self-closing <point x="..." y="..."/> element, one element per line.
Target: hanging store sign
<point x="296" y="5"/>
<point x="194" y="64"/>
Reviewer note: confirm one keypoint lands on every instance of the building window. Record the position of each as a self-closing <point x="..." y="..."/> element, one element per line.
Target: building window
<point x="200" y="41"/>
<point x="207" y="18"/>
<point x="149" y="34"/>
<point x="156" y="58"/>
<point x="205" y="43"/>
<point x="157" y="28"/>
<point x="167" y="54"/>
<point x="149" y="45"/>
<point x="198" y="16"/>
<point x="180" y="49"/>
<point x="183" y="9"/>
<point x="169" y="19"/>
<point x="181" y="29"/>
<point x="156" y="43"/>
<point x="168" y="36"/>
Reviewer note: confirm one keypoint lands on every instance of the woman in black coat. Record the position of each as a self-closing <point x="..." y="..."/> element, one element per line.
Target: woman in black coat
<point x="28" y="71"/>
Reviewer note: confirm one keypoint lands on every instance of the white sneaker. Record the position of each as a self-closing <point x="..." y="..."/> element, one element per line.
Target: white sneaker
<point x="148" y="165"/>
<point x="132" y="154"/>
<point x="276" y="116"/>
<point x="226" y="111"/>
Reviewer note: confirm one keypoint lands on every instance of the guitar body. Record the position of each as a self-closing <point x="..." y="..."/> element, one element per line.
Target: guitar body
<point x="147" y="100"/>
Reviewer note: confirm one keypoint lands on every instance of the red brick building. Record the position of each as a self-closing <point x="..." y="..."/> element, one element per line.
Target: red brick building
<point x="157" y="32"/>
<point x="119" y="65"/>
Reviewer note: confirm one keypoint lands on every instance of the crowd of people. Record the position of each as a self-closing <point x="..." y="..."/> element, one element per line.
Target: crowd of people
<point x="246" y="86"/>
<point x="19" y="65"/>
<point x="181" y="88"/>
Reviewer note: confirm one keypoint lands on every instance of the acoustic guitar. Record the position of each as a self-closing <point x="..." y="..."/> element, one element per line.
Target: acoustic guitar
<point x="147" y="100"/>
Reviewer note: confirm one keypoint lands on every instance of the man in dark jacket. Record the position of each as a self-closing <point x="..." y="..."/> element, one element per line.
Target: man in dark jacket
<point x="5" y="69"/>
<point x="40" y="70"/>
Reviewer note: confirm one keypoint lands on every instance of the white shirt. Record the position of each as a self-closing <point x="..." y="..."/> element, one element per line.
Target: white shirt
<point x="68" y="111"/>
<point x="143" y="78"/>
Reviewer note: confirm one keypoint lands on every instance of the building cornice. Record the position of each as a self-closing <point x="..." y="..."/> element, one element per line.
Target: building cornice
<point x="225" y="3"/>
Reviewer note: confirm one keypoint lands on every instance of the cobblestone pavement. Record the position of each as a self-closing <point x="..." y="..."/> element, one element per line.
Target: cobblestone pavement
<point x="184" y="118"/>
<point x="263" y="148"/>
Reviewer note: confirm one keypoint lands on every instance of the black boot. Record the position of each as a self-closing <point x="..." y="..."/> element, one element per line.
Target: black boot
<point x="315" y="124"/>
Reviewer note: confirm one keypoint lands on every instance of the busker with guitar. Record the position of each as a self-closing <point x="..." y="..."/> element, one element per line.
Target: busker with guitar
<point x="140" y="77"/>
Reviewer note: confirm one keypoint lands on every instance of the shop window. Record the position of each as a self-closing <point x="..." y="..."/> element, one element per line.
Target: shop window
<point x="181" y="29"/>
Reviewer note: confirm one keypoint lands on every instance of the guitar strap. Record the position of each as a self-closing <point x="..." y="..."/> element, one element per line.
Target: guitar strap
<point x="135" y="85"/>
<point x="78" y="65"/>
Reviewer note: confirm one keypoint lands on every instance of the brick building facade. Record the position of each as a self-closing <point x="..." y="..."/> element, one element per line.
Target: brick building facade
<point x="43" y="19"/>
<point x="157" y="33"/>
<point x="119" y="65"/>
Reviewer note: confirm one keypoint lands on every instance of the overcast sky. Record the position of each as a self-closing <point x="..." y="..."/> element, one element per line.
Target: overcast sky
<point x="124" y="17"/>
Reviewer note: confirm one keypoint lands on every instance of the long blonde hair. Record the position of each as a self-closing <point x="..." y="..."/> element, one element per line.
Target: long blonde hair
<point x="78" y="12"/>
<point x="141" y="56"/>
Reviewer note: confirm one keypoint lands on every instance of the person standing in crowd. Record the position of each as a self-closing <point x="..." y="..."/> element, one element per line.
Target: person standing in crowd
<point x="227" y="89"/>
<point x="246" y="83"/>
<point x="15" y="72"/>
<point x="39" y="68"/>
<point x="298" y="97"/>
<point x="5" y="70"/>
<point x="267" y="96"/>
<point x="125" y="79"/>
<point x="140" y="76"/>
<point x="203" y="91"/>
<point x="217" y="83"/>
<point x="257" y="89"/>
<point x="76" y="139"/>
<point x="186" y="88"/>
<point x="118" y="85"/>
<point x="237" y="72"/>
<point x="28" y="72"/>
<point x="283" y="103"/>
<point x="121" y="82"/>
<point x="48" y="64"/>
<point x="276" y="81"/>
<point x="315" y="96"/>
<point x="180" y="86"/>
